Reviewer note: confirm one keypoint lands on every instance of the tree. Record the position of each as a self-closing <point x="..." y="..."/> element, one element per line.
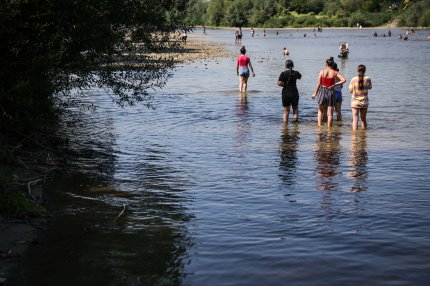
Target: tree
<point x="51" y="50"/>
<point x="371" y="6"/>
<point x="215" y="12"/>
<point x="238" y="13"/>
<point x="196" y="12"/>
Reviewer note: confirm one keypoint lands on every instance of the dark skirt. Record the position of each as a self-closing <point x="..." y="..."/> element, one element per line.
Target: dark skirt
<point x="326" y="96"/>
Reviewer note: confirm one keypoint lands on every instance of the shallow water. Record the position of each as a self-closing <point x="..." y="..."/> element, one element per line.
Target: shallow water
<point x="217" y="191"/>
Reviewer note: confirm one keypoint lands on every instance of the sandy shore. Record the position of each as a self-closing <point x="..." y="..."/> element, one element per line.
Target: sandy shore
<point x="199" y="48"/>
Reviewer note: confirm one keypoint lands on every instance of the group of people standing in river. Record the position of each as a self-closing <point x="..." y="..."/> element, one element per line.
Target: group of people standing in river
<point x="327" y="91"/>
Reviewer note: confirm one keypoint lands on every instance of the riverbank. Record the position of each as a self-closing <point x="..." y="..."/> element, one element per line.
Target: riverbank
<point x="19" y="232"/>
<point x="198" y="47"/>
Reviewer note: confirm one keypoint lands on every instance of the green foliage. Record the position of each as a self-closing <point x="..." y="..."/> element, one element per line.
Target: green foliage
<point x="416" y="14"/>
<point x="298" y="13"/>
<point x="196" y="12"/>
<point x="51" y="50"/>
<point x="15" y="204"/>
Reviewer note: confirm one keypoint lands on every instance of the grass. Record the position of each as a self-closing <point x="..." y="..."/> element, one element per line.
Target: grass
<point x="16" y="204"/>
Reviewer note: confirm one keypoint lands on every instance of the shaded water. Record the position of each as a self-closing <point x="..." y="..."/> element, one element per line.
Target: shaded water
<point x="218" y="192"/>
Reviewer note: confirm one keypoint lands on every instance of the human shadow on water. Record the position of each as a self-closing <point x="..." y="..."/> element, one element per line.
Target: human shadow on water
<point x="288" y="148"/>
<point x="242" y="104"/>
<point x="358" y="161"/>
<point x="243" y="125"/>
<point x="327" y="157"/>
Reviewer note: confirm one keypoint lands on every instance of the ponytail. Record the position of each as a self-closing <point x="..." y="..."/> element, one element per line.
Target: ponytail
<point x="361" y="70"/>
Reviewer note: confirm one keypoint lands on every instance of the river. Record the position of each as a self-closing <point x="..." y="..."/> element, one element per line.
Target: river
<point x="210" y="188"/>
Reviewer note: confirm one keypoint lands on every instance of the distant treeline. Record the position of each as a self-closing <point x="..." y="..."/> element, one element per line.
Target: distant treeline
<point x="309" y="13"/>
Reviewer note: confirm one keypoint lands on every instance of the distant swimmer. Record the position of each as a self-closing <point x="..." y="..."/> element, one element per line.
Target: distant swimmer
<point x="242" y="68"/>
<point x="184" y="36"/>
<point x="239" y="36"/>
<point x="285" y="52"/>
<point x="375" y="34"/>
<point x="252" y="32"/>
<point x="236" y="36"/>
<point x="264" y="32"/>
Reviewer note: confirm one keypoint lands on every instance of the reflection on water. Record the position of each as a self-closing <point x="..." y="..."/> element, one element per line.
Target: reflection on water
<point x="358" y="161"/>
<point x="242" y="105"/>
<point x="243" y="123"/>
<point x="327" y="158"/>
<point x="288" y="148"/>
<point x="93" y="242"/>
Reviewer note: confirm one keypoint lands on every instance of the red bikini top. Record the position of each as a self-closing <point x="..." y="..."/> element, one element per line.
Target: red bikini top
<point x="327" y="81"/>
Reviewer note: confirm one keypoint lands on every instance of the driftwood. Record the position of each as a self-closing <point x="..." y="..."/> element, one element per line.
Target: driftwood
<point x="121" y="213"/>
<point x="38" y="181"/>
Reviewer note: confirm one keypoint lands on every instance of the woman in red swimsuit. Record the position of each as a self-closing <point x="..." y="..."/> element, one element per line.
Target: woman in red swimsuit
<point x="243" y="64"/>
<point x="325" y="92"/>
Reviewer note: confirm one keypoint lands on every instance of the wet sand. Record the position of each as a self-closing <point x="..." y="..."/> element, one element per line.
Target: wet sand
<point x="198" y="48"/>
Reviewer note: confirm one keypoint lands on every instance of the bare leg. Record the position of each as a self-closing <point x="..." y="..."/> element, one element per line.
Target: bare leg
<point x="363" y="115"/>
<point x="240" y="83"/>
<point x="296" y="114"/>
<point x="338" y="110"/>
<point x="245" y="83"/>
<point x="321" y="110"/>
<point x="286" y="114"/>
<point x="330" y="116"/>
<point x="354" y="118"/>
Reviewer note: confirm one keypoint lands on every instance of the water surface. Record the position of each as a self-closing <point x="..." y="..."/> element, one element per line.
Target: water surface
<point x="217" y="191"/>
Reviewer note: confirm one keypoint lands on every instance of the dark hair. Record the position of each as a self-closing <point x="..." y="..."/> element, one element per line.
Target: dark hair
<point x="289" y="64"/>
<point x="243" y="50"/>
<point x="335" y="67"/>
<point x="361" y="70"/>
<point x="330" y="62"/>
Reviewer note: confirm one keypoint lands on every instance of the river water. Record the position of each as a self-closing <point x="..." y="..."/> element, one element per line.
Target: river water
<point x="217" y="191"/>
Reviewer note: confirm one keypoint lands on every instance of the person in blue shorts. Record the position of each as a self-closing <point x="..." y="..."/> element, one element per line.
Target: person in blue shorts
<point x="338" y="94"/>
<point x="243" y="64"/>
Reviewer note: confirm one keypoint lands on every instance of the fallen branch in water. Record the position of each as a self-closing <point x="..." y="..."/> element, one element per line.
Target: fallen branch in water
<point x="34" y="182"/>
<point x="121" y="213"/>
